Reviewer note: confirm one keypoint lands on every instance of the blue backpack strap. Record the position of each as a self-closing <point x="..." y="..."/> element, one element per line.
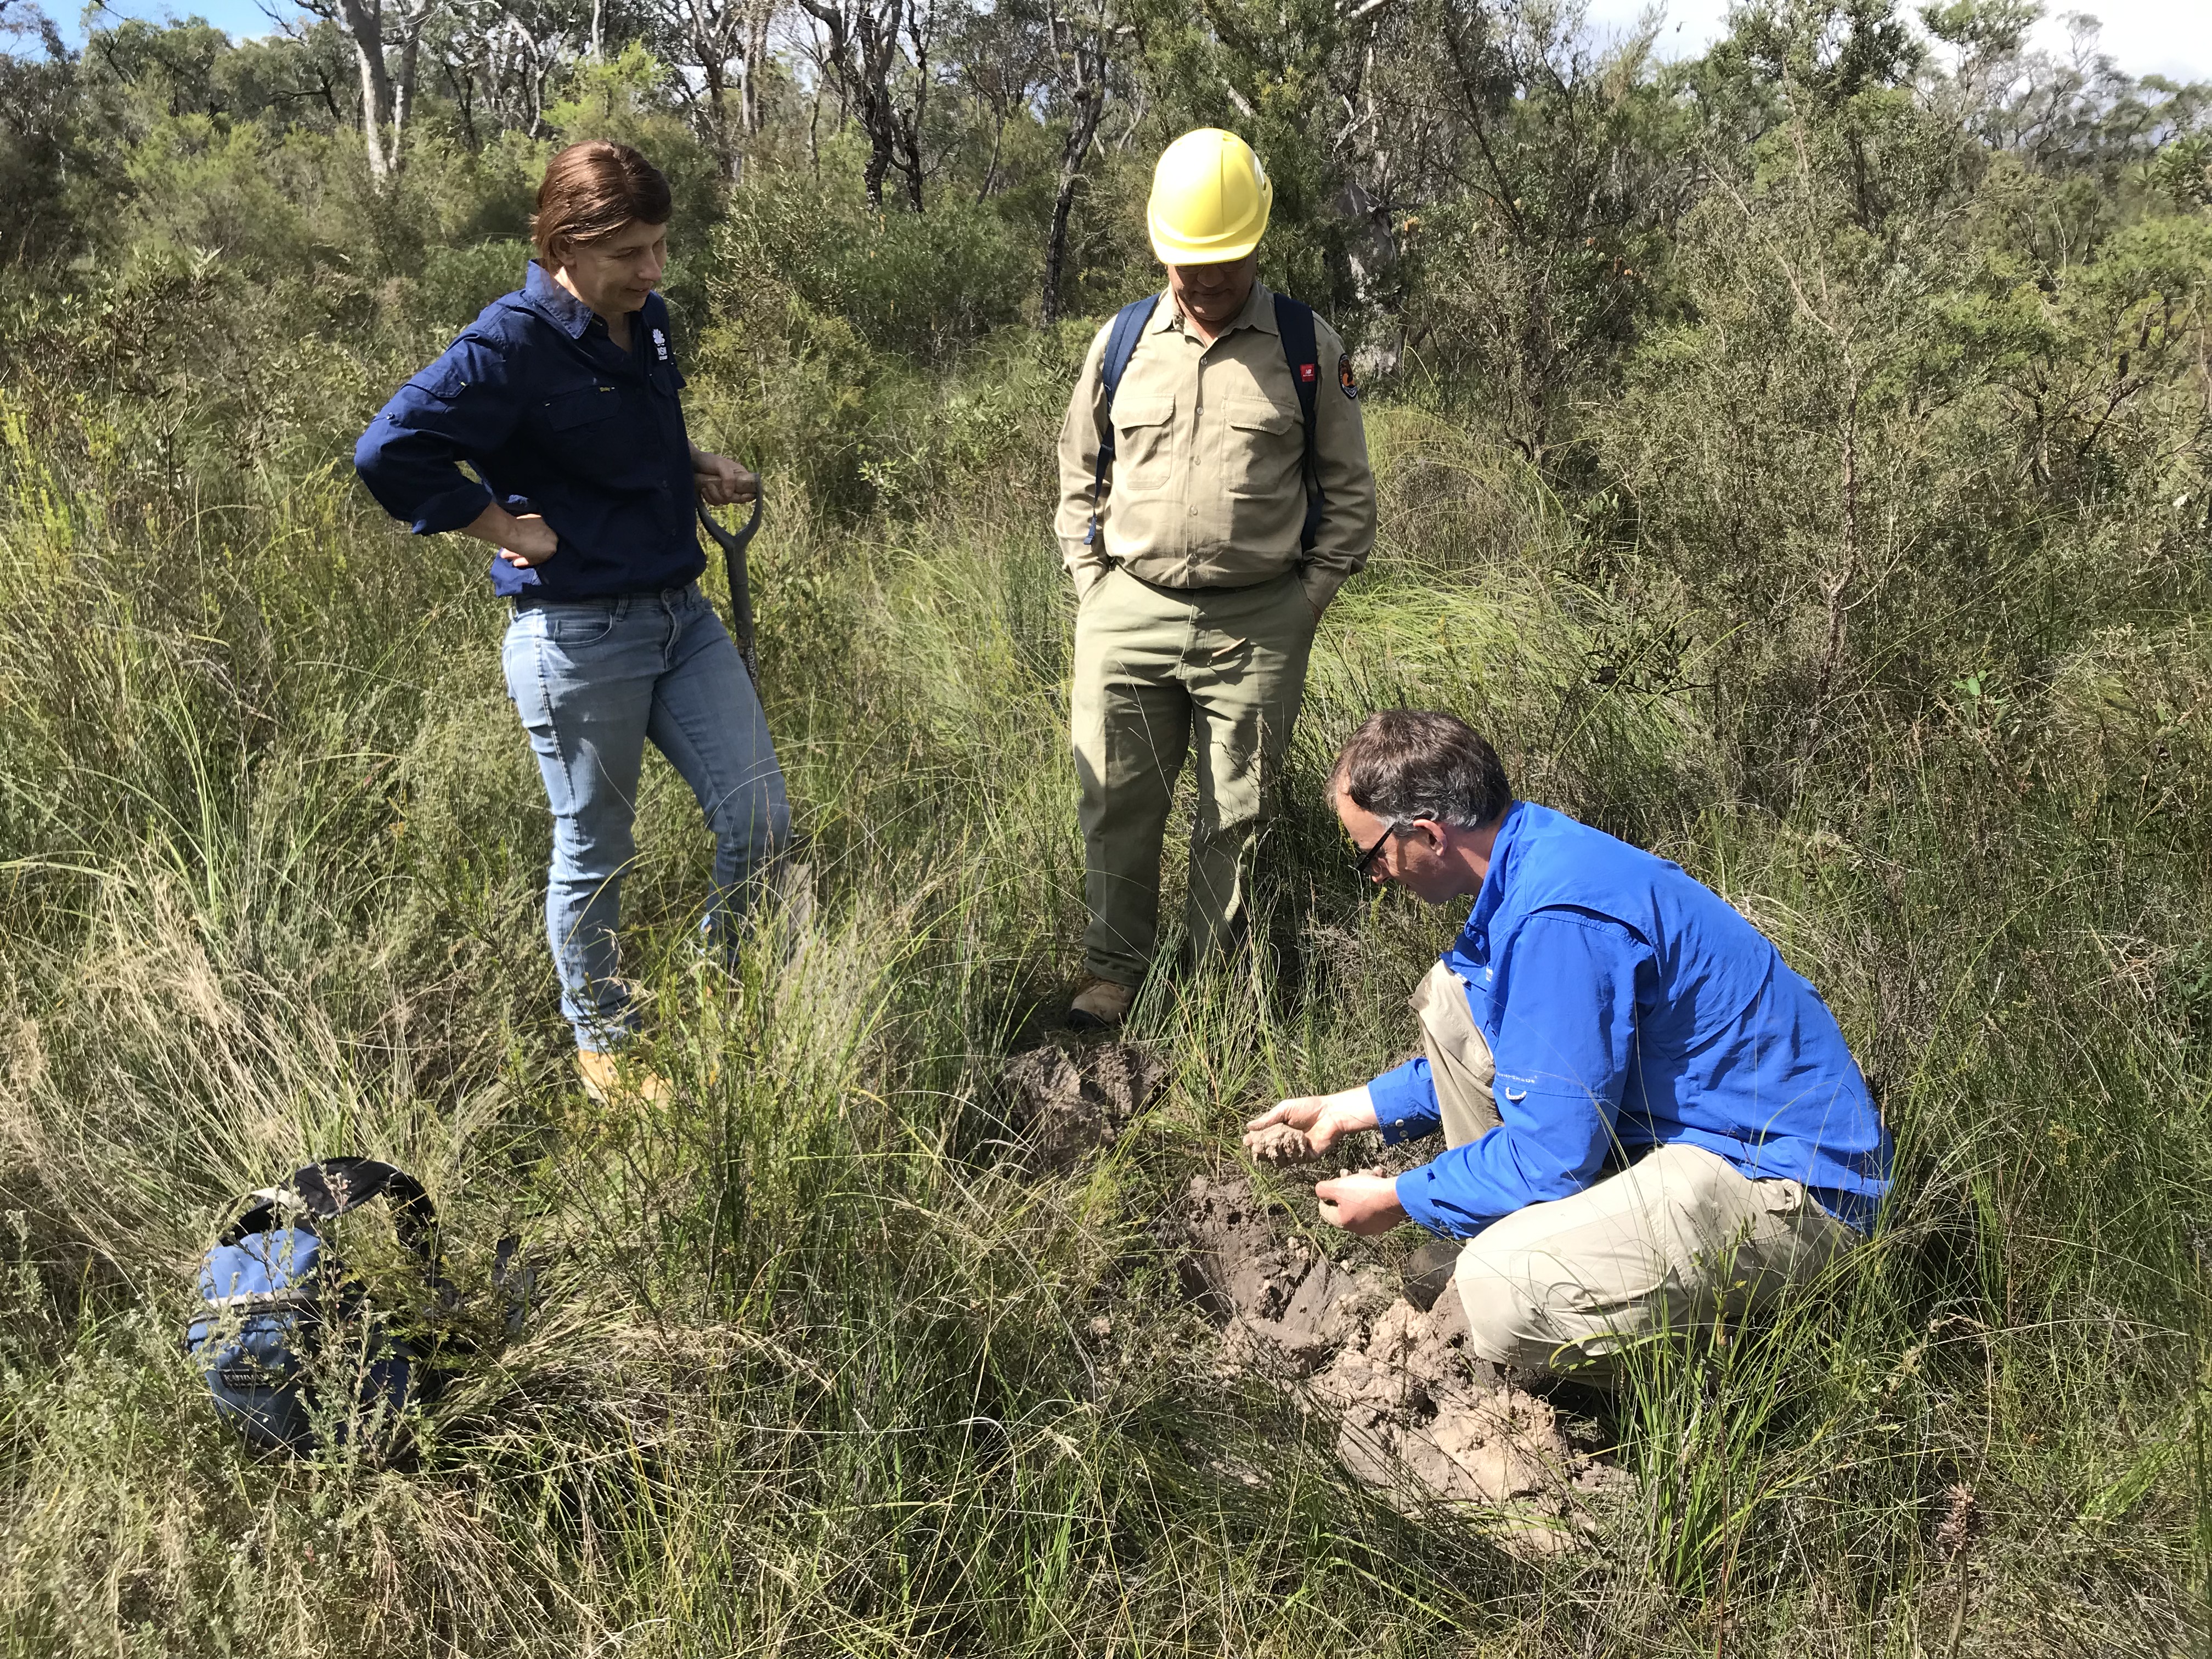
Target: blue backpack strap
<point x="1121" y="346"/>
<point x="1294" y="321"/>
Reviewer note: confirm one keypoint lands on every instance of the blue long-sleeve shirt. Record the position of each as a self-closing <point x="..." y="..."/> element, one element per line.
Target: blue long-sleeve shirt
<point x="554" y="418"/>
<point x="1625" y="1003"/>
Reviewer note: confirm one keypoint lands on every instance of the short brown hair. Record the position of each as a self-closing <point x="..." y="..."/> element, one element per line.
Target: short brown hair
<point x="593" y="189"/>
<point x="1407" y="763"/>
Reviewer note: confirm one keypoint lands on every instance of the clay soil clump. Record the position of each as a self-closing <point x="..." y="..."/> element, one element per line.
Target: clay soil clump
<point x="1071" y="1103"/>
<point x="1416" y="1413"/>
<point x="1280" y="1145"/>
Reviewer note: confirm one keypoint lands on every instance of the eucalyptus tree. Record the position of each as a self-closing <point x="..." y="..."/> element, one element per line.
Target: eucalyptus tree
<point x="386" y="37"/>
<point x="1087" y="39"/>
<point x="499" y="60"/>
<point x="721" y="49"/>
<point x="857" y="46"/>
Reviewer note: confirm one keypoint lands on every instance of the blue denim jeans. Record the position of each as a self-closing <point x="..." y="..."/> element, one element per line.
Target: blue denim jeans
<point x="593" y="679"/>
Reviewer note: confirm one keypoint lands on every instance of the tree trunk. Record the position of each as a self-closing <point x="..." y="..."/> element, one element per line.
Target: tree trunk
<point x="384" y="106"/>
<point x="878" y="47"/>
<point x="365" y="29"/>
<point x="917" y="35"/>
<point x="717" y="117"/>
<point x="863" y="44"/>
<point x="1082" y="126"/>
<point x="756" y="55"/>
<point x="1084" y="51"/>
<point x="403" y="95"/>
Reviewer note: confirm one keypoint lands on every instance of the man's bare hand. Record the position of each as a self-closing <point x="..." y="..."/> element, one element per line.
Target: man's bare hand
<point x="1366" y="1204"/>
<point x="721" y="481"/>
<point x="1321" y="1117"/>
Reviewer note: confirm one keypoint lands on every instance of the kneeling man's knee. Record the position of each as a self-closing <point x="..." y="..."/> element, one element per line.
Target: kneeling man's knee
<point x="1508" y="1307"/>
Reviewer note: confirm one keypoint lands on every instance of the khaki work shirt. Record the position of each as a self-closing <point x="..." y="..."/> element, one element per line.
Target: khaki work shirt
<point x="1207" y="487"/>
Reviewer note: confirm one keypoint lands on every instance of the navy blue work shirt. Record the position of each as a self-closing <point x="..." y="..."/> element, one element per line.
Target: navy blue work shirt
<point x="555" y="419"/>
<point x="1627" y="1004"/>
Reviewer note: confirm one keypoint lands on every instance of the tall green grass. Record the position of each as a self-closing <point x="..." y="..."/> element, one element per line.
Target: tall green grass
<point x="813" y="1368"/>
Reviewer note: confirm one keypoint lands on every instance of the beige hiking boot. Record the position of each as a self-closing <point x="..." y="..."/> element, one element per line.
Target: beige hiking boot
<point x="614" y="1080"/>
<point x="1099" y="1004"/>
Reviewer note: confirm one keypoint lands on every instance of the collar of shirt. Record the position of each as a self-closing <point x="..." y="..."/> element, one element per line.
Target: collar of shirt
<point x="545" y="296"/>
<point x="1259" y="312"/>
<point x="1474" y="941"/>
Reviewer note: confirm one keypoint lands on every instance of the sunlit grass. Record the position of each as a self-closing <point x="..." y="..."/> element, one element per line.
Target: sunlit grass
<point x="811" y="1369"/>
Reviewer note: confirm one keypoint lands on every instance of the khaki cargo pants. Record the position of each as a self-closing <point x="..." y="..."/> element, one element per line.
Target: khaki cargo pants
<point x="1154" y="668"/>
<point x="1677" y="1241"/>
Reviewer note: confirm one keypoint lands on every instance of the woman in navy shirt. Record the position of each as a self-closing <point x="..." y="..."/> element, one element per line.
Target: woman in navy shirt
<point x="563" y="398"/>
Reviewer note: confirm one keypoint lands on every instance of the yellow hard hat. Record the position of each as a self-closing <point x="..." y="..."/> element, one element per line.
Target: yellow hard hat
<point x="1210" y="199"/>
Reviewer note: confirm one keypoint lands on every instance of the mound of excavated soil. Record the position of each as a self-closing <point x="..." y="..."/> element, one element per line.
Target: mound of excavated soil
<point x="1416" y="1413"/>
<point x="1071" y="1103"/>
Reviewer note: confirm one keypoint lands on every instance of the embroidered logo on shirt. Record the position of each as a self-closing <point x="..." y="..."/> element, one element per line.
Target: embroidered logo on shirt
<point x="661" y="344"/>
<point x="1344" y="376"/>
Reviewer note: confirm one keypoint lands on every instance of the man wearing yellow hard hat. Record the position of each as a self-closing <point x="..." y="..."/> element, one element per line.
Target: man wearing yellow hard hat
<point x="1214" y="495"/>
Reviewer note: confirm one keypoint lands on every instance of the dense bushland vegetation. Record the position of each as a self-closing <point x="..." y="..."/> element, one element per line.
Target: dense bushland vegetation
<point x="1800" y="459"/>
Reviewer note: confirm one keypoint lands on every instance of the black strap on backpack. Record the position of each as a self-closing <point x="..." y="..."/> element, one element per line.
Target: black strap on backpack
<point x="1294" y="321"/>
<point x="1121" y="345"/>
<point x="327" y="1190"/>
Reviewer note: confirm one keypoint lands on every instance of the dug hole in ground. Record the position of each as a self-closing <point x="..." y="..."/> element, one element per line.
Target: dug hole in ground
<point x="1416" y="1414"/>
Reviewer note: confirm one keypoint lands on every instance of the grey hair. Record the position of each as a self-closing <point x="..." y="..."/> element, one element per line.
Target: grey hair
<point x="1403" y="765"/>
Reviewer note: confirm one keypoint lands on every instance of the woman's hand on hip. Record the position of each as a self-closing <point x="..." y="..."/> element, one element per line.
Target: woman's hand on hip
<point x="524" y="540"/>
<point x="721" y="481"/>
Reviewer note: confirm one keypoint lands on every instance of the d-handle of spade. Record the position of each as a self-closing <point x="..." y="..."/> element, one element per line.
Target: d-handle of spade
<point x="732" y="544"/>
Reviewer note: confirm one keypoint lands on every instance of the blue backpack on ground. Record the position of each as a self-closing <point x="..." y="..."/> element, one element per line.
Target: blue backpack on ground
<point x="1294" y="321"/>
<point x="282" y="1311"/>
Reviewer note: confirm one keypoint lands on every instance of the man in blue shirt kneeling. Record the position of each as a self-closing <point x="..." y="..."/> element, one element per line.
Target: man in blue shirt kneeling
<point x="1651" y="1122"/>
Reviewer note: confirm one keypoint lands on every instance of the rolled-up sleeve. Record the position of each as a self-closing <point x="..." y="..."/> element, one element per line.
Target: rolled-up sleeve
<point x="1564" y="1038"/>
<point x="460" y="408"/>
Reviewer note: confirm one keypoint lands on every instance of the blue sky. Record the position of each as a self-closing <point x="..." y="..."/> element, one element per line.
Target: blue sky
<point x="2144" y="37"/>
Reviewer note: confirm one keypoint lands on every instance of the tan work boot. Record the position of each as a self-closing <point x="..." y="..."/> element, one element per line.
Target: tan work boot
<point x="613" y="1080"/>
<point x="1099" y="1004"/>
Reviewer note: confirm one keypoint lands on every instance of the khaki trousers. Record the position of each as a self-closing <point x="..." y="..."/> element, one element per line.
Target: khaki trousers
<point x="1677" y="1241"/>
<point x="1155" y="667"/>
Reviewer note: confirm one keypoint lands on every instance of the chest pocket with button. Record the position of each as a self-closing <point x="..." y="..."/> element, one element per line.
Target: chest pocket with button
<point x="581" y="429"/>
<point x="1144" y="444"/>
<point x="1263" y="448"/>
<point x="567" y="410"/>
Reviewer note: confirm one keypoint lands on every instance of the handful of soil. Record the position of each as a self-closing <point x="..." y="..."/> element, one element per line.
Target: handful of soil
<point x="1279" y="1144"/>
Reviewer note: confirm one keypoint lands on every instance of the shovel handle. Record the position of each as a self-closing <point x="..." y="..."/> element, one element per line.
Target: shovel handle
<point x="732" y="544"/>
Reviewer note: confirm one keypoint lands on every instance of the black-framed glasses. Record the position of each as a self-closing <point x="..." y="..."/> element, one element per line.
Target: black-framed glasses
<point x="1359" y="865"/>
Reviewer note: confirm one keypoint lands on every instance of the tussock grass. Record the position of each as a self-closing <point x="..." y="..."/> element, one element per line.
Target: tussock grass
<point x="809" y="1368"/>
